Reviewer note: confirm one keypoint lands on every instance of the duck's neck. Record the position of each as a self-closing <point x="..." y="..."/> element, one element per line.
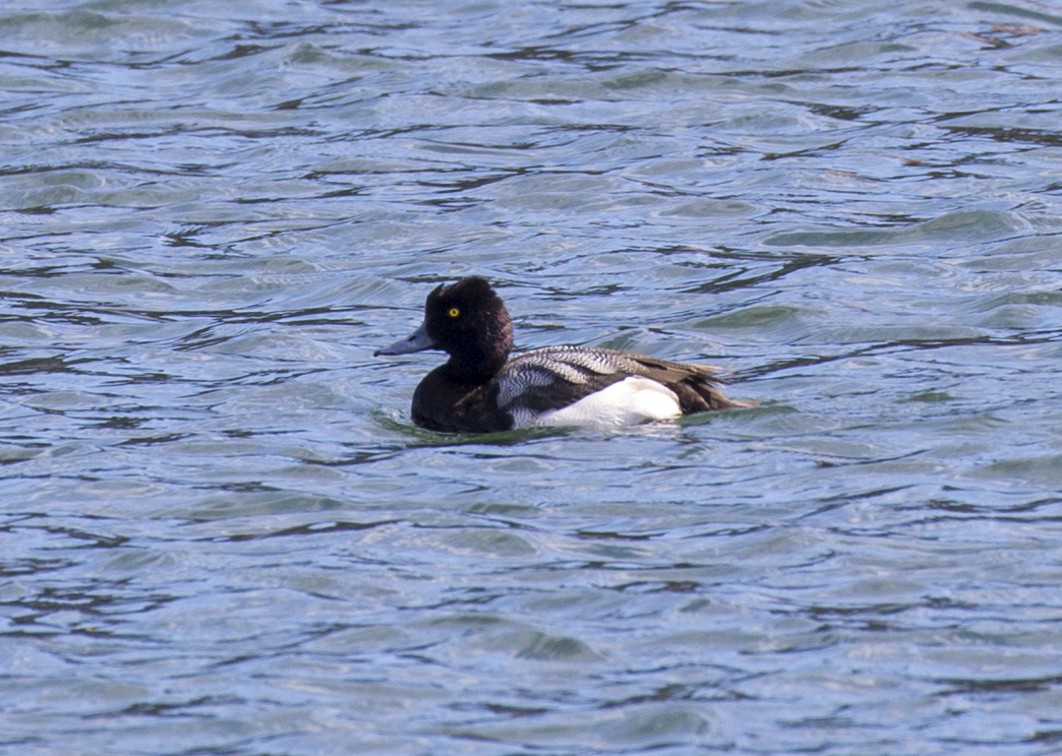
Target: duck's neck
<point x="475" y="366"/>
<point x="483" y="358"/>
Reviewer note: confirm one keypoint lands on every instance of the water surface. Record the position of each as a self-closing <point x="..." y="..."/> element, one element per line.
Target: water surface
<point x="220" y="533"/>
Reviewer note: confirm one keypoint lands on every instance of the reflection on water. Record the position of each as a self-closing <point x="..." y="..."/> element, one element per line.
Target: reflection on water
<point x="220" y="531"/>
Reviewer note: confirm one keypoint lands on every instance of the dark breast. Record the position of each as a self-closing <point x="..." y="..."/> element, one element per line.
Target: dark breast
<point x="445" y="405"/>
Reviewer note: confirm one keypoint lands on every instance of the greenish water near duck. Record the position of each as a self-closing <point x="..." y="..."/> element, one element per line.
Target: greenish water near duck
<point x="219" y="531"/>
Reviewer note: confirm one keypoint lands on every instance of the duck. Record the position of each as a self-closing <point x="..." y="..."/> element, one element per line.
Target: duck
<point x="482" y="389"/>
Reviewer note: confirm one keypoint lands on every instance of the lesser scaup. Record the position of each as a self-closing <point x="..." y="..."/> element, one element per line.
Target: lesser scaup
<point x="480" y="389"/>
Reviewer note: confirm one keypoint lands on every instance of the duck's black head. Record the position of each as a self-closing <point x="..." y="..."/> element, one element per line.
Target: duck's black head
<point x="467" y="320"/>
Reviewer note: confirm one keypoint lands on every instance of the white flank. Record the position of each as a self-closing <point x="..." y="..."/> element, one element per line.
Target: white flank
<point x="629" y="402"/>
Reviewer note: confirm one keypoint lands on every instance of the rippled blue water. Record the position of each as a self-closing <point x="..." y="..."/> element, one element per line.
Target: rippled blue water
<point x="219" y="532"/>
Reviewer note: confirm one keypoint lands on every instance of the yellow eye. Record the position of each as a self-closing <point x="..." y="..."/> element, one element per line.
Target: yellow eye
<point x="453" y="312"/>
